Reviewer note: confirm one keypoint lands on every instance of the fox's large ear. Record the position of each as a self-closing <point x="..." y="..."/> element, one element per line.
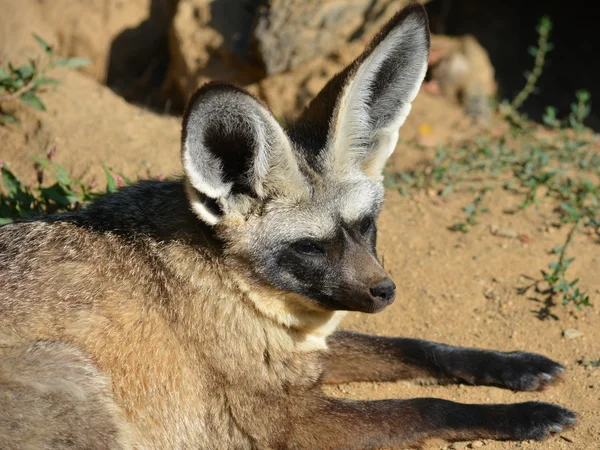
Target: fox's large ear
<point x="232" y="146"/>
<point x="360" y="110"/>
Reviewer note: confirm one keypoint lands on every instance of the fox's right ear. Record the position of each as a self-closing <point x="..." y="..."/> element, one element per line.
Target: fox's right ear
<point x="352" y="125"/>
<point x="232" y="146"/>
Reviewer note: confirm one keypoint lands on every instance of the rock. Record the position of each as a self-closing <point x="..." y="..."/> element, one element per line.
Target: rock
<point x="491" y="294"/>
<point x="525" y="239"/>
<point x="504" y="232"/>
<point x="244" y="41"/>
<point x="291" y="32"/>
<point x="572" y="333"/>
<point x="286" y="52"/>
<point x="462" y="71"/>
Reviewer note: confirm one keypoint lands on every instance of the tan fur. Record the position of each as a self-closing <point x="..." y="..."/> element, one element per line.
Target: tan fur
<point x="52" y="396"/>
<point x="157" y="345"/>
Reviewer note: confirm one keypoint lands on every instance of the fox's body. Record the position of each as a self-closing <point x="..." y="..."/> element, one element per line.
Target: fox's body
<point x="201" y="312"/>
<point x="185" y="346"/>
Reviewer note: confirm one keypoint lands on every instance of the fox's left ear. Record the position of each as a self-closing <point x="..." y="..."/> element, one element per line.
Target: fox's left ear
<point x="366" y="104"/>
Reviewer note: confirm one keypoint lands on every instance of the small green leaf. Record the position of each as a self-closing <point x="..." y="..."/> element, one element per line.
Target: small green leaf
<point x="111" y="183"/>
<point x="572" y="212"/>
<point x="460" y="226"/>
<point x="12" y="84"/>
<point x="61" y="174"/>
<point x="44" y="162"/>
<point x="5" y="220"/>
<point x="45" y="46"/>
<point x="33" y="101"/>
<point x="58" y="172"/>
<point x="533" y="51"/>
<point x="72" y="63"/>
<point x="11" y="182"/>
<point x="447" y="190"/>
<point x="46" y="80"/>
<point x="470" y="209"/>
<point x="6" y="118"/>
<point x="561" y="286"/>
<point x="4" y="75"/>
<point x="59" y="195"/>
<point x="26" y="71"/>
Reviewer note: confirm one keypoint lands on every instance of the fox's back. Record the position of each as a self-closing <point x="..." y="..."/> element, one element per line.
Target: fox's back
<point x="106" y="289"/>
<point x="136" y="285"/>
<point x="114" y="247"/>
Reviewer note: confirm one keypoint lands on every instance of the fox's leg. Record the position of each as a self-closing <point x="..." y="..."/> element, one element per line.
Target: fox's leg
<point x="360" y="357"/>
<point x="53" y="397"/>
<point x="350" y="424"/>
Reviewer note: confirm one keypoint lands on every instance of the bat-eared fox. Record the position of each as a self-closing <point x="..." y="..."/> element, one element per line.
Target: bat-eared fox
<point x="201" y="312"/>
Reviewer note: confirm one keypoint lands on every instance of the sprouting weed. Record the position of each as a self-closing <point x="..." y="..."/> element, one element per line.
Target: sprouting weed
<point x="27" y="81"/>
<point x="20" y="200"/>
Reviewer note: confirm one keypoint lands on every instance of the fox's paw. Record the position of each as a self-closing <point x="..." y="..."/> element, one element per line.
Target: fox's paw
<point x="522" y="371"/>
<point x="518" y="371"/>
<point x="536" y="420"/>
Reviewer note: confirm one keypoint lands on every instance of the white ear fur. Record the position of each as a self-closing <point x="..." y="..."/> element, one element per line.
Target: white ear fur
<point x="223" y="127"/>
<point x="377" y="98"/>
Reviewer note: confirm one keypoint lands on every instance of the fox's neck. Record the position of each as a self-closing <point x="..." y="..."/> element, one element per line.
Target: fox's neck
<point x="294" y="314"/>
<point x="223" y="304"/>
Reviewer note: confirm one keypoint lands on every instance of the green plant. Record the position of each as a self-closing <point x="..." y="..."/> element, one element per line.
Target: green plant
<point x="560" y="166"/>
<point x="472" y="211"/>
<point x="588" y="362"/>
<point x="557" y="279"/>
<point x="544" y="46"/>
<point x="21" y="200"/>
<point x="556" y="283"/>
<point x="27" y="81"/>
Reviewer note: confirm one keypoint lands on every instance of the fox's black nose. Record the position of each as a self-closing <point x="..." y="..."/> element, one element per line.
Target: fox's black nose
<point x="383" y="290"/>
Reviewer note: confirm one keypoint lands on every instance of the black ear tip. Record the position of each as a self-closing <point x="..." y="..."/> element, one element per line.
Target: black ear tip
<point x="414" y="11"/>
<point x="415" y="8"/>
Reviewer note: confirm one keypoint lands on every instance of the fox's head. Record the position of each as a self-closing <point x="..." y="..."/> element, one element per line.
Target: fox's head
<point x="297" y="205"/>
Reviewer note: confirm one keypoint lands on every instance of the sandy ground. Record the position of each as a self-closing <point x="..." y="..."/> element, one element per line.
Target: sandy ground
<point x="460" y="289"/>
<point x="453" y="288"/>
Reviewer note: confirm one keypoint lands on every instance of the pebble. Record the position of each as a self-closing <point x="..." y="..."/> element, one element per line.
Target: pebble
<point x="504" y="232"/>
<point x="491" y="294"/>
<point x="525" y="239"/>
<point x="476" y="444"/>
<point x="572" y="333"/>
<point x="586" y="361"/>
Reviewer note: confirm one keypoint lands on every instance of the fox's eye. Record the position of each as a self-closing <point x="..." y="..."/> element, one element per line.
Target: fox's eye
<point x="365" y="225"/>
<point x="308" y="248"/>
